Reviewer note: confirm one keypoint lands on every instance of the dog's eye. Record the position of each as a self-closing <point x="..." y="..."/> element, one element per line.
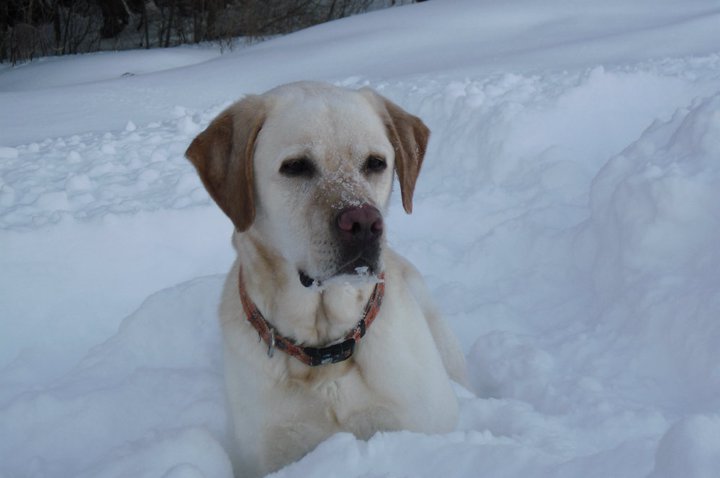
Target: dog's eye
<point x="375" y="164"/>
<point x="298" y="167"/>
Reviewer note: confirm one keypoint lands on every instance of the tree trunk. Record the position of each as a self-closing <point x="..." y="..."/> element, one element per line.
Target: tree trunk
<point x="170" y="23"/>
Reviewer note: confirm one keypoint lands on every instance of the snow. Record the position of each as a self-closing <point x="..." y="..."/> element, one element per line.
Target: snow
<point x="566" y="221"/>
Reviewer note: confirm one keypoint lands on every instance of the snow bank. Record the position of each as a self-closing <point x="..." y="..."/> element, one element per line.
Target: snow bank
<point x="467" y="37"/>
<point x="651" y="247"/>
<point x="53" y="72"/>
<point x="143" y="403"/>
<point x="690" y="448"/>
<point x="89" y="176"/>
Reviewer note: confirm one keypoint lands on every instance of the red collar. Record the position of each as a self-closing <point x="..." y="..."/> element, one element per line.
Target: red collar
<point x="313" y="356"/>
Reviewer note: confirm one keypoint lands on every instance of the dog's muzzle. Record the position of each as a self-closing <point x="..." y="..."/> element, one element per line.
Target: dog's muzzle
<point x="359" y="230"/>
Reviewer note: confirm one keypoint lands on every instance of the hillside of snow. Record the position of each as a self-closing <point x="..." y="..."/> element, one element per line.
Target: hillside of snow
<point x="566" y="220"/>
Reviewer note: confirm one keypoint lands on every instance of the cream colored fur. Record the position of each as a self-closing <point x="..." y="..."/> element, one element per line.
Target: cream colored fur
<point x="400" y="375"/>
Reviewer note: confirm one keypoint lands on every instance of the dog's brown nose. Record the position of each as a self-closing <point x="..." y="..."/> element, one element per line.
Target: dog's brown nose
<point x="360" y="224"/>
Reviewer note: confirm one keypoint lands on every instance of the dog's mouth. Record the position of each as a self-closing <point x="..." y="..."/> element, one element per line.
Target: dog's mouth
<point x="358" y="269"/>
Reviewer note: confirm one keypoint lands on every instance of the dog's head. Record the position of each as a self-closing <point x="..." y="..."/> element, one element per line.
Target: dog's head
<point x="309" y="167"/>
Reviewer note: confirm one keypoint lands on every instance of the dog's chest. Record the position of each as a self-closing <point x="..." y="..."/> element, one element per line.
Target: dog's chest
<point x="339" y="389"/>
<point x="326" y="383"/>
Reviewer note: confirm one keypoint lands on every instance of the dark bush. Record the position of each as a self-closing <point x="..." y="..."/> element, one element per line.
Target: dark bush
<point x="33" y="28"/>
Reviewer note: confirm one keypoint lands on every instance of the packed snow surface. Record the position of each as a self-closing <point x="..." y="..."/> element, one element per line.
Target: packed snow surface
<point x="567" y="221"/>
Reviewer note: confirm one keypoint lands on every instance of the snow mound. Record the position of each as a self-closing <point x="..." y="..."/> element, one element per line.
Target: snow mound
<point x="187" y="453"/>
<point x="89" y="176"/>
<point x="143" y="403"/>
<point x="691" y="448"/>
<point x="651" y="247"/>
<point x="390" y="455"/>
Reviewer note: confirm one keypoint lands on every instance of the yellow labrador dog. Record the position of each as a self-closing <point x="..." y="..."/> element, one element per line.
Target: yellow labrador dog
<point x="325" y="328"/>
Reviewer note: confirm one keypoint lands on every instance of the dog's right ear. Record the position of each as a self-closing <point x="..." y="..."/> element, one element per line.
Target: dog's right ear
<point x="223" y="157"/>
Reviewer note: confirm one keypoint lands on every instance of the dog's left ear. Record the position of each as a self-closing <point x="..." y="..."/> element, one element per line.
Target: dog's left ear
<point x="223" y="157"/>
<point x="409" y="137"/>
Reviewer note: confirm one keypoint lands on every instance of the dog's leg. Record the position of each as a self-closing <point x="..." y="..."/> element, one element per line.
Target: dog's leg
<point x="288" y="442"/>
<point x="446" y="342"/>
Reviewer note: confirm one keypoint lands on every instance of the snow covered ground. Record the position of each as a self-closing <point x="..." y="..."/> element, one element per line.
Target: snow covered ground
<point x="566" y="220"/>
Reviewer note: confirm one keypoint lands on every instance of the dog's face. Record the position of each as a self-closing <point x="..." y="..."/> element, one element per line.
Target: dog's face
<point x="323" y="176"/>
<point x="309" y="168"/>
